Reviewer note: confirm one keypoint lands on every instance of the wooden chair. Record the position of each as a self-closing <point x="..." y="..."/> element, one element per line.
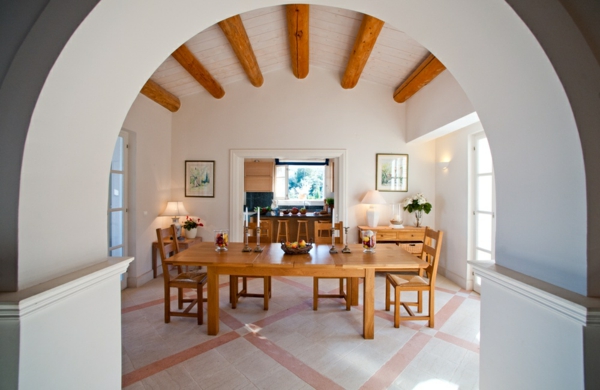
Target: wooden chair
<point x="323" y="236"/>
<point x="191" y="280"/>
<point x="234" y="293"/>
<point x="418" y="283"/>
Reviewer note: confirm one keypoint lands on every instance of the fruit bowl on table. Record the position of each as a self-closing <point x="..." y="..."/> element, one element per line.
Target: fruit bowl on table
<point x="285" y="212"/>
<point x="296" y="251"/>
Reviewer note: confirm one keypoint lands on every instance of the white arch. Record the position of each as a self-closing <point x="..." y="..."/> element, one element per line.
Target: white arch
<point x="485" y="45"/>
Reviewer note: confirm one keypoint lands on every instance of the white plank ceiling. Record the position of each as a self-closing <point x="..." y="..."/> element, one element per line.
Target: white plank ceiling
<point x="332" y="33"/>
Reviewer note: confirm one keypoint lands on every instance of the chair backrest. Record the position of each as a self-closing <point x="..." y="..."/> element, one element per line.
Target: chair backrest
<point x="265" y="231"/>
<point x="323" y="232"/>
<point x="167" y="243"/>
<point x="432" y="245"/>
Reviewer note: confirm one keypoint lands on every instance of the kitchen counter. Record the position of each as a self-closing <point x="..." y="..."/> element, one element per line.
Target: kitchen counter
<point x="293" y="223"/>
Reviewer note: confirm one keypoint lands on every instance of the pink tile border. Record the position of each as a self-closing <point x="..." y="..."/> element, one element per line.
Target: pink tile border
<point x="293" y="283"/>
<point x="229" y="320"/>
<point x="386" y="375"/>
<point x="294" y="365"/>
<point x="283" y="314"/>
<point x="447" y="310"/>
<point x="457" y="341"/>
<point x="170" y="361"/>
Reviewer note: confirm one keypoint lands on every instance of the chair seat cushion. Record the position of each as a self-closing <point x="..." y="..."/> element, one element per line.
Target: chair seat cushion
<point x="409" y="280"/>
<point x="190" y="277"/>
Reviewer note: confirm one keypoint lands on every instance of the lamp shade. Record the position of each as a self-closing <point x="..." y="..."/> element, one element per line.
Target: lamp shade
<point x="373" y="197"/>
<point x="174" y="209"/>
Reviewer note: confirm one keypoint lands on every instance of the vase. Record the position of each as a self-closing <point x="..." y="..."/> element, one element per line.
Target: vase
<point x="191" y="233"/>
<point x="221" y="240"/>
<point x="418" y="216"/>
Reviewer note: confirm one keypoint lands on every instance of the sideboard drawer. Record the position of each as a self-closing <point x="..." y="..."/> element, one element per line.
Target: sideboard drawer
<point x="386" y="236"/>
<point x="411" y="236"/>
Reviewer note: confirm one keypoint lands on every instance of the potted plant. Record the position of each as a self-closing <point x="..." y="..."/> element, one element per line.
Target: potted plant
<point x="417" y="204"/>
<point x="191" y="227"/>
<point x="329" y="202"/>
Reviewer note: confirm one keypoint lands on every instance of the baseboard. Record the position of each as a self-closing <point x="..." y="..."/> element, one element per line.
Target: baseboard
<point x="138" y="281"/>
<point x="460" y="280"/>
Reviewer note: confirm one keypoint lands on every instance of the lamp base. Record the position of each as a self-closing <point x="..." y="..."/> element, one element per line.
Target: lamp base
<point x="372" y="217"/>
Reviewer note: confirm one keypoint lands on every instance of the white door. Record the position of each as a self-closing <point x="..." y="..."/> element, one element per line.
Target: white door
<point x="117" y="199"/>
<point x="483" y="203"/>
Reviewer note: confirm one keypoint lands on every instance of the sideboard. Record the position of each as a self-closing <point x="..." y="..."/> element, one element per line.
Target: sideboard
<point x="409" y="238"/>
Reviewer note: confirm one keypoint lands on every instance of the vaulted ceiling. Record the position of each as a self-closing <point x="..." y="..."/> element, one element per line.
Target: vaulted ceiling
<point x="294" y="37"/>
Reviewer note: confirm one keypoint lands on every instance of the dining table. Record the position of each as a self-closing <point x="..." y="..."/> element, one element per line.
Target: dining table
<point x="272" y="261"/>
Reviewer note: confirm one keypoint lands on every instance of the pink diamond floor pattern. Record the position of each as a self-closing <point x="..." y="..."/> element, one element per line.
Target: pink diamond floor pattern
<point x="290" y="346"/>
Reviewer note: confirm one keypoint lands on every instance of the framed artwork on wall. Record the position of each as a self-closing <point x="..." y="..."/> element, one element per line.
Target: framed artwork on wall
<point x="391" y="174"/>
<point x="200" y="179"/>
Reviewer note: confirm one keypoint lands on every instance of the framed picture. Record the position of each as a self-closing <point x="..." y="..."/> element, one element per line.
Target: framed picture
<point x="200" y="179"/>
<point x="392" y="172"/>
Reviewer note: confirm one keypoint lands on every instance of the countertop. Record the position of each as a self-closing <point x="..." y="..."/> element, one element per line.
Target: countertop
<point x="299" y="216"/>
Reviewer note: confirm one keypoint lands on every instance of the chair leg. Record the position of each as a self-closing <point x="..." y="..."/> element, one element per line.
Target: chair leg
<point x="232" y="280"/>
<point x="348" y="294"/>
<point x="167" y="304"/>
<point x="315" y="293"/>
<point x="234" y="292"/>
<point x="200" y="304"/>
<point x="180" y="298"/>
<point x="396" y="308"/>
<point x="387" y="294"/>
<point x="420" y="301"/>
<point x="266" y="292"/>
<point x="431" y="308"/>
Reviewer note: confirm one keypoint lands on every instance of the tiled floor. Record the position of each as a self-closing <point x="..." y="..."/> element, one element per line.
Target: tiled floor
<point x="290" y="346"/>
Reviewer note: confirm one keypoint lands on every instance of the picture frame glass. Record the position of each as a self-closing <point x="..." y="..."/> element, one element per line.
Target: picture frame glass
<point x="200" y="179"/>
<point x="391" y="172"/>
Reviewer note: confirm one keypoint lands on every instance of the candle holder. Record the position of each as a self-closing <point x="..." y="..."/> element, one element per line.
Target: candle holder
<point x="346" y="249"/>
<point x="258" y="247"/>
<point x="333" y="250"/>
<point x="246" y="247"/>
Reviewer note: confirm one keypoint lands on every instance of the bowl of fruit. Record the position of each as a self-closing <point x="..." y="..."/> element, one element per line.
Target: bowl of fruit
<point x="285" y="211"/>
<point x="264" y="210"/>
<point x="303" y="211"/>
<point x="296" y="248"/>
<point x="295" y="210"/>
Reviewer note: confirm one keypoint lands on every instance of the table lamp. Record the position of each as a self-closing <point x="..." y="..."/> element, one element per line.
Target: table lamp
<point x="372" y="198"/>
<point x="175" y="210"/>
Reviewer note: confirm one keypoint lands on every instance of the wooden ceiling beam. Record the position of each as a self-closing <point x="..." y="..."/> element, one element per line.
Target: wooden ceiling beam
<point x="161" y="96"/>
<point x="297" y="21"/>
<point x="234" y="30"/>
<point x="363" y="45"/>
<point x="184" y="56"/>
<point x="425" y="72"/>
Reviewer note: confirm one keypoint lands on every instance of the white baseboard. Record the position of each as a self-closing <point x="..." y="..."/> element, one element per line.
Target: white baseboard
<point x="460" y="280"/>
<point x="138" y="281"/>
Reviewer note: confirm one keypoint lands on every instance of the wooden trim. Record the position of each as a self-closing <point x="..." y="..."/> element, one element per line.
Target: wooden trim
<point x="425" y="72"/>
<point x="184" y="56"/>
<point x="363" y="45"/>
<point x="297" y="20"/>
<point x="161" y="96"/>
<point x="234" y="30"/>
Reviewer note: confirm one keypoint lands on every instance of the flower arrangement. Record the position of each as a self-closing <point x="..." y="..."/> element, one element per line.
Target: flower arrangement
<point x="190" y="223"/>
<point x="417" y="204"/>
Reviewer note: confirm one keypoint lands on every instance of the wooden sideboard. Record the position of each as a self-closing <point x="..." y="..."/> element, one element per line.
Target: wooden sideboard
<point x="409" y="238"/>
<point x="184" y="244"/>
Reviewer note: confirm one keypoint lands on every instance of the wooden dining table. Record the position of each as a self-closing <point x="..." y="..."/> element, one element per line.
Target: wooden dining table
<point x="318" y="262"/>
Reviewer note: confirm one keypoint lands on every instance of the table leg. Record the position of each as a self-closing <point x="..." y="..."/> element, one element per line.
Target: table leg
<point x="369" y="304"/>
<point x="354" y="282"/>
<point x="154" y="249"/>
<point x="213" y="300"/>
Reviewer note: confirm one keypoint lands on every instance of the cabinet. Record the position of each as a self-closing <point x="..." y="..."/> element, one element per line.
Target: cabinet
<point x="258" y="176"/>
<point x="409" y="238"/>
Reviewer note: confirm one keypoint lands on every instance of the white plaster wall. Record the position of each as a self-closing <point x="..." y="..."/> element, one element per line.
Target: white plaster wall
<point x="149" y="126"/>
<point x="287" y="113"/>
<point x="438" y="104"/>
<point x="74" y="343"/>
<point x="452" y="200"/>
<point x="519" y="350"/>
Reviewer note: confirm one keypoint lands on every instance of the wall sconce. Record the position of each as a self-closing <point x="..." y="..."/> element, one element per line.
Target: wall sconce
<point x="443" y="165"/>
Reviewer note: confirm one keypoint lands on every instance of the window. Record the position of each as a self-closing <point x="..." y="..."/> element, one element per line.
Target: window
<point x="117" y="199"/>
<point x="300" y="182"/>
<point x="483" y="202"/>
